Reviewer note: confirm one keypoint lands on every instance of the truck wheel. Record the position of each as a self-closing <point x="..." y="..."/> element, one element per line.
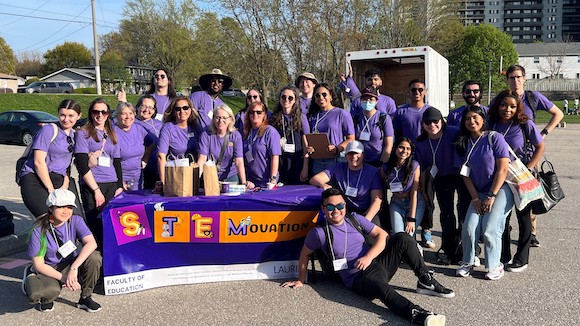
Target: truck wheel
<point x="27" y="138"/>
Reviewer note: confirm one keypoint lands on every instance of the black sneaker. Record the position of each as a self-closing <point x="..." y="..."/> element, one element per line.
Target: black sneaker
<point x="421" y="316"/>
<point x="534" y="242"/>
<point x="516" y="267"/>
<point x="428" y="285"/>
<point x="88" y="304"/>
<point x="27" y="271"/>
<point x="46" y="307"/>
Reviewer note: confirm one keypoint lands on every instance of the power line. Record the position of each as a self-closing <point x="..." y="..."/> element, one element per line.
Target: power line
<point x="46" y="18"/>
<point x="18" y="19"/>
<point x="57" y="40"/>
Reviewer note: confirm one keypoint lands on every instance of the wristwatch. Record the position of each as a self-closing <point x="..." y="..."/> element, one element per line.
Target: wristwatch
<point x="490" y="194"/>
<point x="544" y="132"/>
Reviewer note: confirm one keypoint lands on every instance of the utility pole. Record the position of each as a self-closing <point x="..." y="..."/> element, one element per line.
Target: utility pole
<point x="489" y="86"/>
<point x="96" y="46"/>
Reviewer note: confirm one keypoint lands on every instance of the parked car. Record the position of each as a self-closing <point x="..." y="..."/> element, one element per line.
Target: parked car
<point x="20" y="126"/>
<point x="46" y="87"/>
<point x="233" y="92"/>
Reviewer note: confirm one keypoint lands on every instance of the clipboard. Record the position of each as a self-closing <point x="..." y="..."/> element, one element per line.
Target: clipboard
<point x="320" y="143"/>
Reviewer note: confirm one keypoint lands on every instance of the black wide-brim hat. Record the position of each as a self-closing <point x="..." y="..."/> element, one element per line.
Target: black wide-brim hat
<point x="205" y="80"/>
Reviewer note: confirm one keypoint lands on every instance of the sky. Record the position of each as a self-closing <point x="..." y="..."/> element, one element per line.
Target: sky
<point x="40" y="25"/>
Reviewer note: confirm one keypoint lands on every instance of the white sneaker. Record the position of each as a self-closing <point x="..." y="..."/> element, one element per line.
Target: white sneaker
<point x="495" y="274"/>
<point x="464" y="270"/>
<point x="476" y="262"/>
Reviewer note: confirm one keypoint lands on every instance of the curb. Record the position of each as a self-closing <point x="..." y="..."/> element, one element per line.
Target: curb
<point x="12" y="244"/>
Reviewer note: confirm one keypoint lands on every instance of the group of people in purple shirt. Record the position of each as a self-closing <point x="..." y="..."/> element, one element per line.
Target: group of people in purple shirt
<point x="410" y="150"/>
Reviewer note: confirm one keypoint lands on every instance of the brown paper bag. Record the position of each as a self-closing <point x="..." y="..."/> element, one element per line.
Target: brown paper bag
<point x="181" y="181"/>
<point x="211" y="184"/>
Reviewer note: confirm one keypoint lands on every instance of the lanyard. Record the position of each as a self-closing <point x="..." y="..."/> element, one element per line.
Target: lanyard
<point x="348" y="176"/>
<point x="472" y="147"/>
<point x="396" y="175"/>
<point x="153" y="126"/>
<point x="330" y="240"/>
<point x="436" y="148"/>
<point x="366" y="126"/>
<point x="318" y="119"/>
<point x="166" y="104"/>
<point x="59" y="242"/>
<point x="507" y="130"/>
<point x="251" y="143"/>
<point x="284" y="127"/>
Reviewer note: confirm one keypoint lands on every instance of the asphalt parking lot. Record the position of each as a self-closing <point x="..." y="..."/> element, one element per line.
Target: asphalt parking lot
<point x="544" y="294"/>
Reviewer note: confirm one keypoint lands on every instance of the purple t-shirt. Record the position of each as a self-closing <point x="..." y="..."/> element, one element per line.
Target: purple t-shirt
<point x="444" y="149"/>
<point x="204" y="104"/>
<point x="454" y="117"/>
<point x="407" y="120"/>
<point x="262" y="149"/>
<point x="336" y="123"/>
<point x="373" y="146"/>
<point x="399" y="176"/>
<point x="364" y="180"/>
<point x="72" y="230"/>
<point x="177" y="141"/>
<point x="294" y="136"/>
<point x="58" y="157"/>
<point x="152" y="126"/>
<point x="543" y="104"/>
<point x="132" y="143"/>
<point x="210" y="145"/>
<point x="85" y="144"/>
<point x="514" y="136"/>
<point x="356" y="246"/>
<point x="305" y="104"/>
<point x="162" y="102"/>
<point x="481" y="162"/>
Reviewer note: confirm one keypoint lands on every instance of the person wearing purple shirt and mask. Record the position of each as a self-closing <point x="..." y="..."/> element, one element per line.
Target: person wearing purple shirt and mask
<point x="292" y="125"/>
<point x="146" y="113"/>
<point x="179" y="135"/>
<point x="360" y="182"/>
<point x="222" y="137"/>
<point x="48" y="167"/>
<point x="374" y="129"/>
<point x="204" y="101"/>
<point x="506" y="116"/>
<point x="261" y="147"/>
<point x="325" y="118"/>
<point x="472" y="93"/>
<point x="407" y="119"/>
<point x="484" y="164"/>
<point x="55" y="262"/>
<point x="373" y="79"/>
<point x="161" y="88"/>
<point x="252" y="96"/>
<point x="306" y="83"/>
<point x="364" y="268"/>
<point x="135" y="146"/>
<point x="103" y="181"/>
<point x="435" y="151"/>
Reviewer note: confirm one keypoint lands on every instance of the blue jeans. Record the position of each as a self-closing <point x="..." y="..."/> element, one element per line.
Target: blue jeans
<point x="321" y="164"/>
<point x="400" y="209"/>
<point x="491" y="224"/>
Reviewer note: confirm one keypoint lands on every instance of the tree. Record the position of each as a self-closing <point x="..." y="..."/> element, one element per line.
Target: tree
<point x="67" y="55"/>
<point x="28" y="64"/>
<point x="553" y="64"/>
<point x="113" y="68"/>
<point x="478" y="46"/>
<point x="7" y="58"/>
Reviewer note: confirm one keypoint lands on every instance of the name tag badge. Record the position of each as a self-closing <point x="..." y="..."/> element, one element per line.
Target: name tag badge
<point x="289" y="148"/>
<point x="191" y="135"/>
<point x="283" y="141"/>
<point x="249" y="157"/>
<point x="434" y="170"/>
<point x="104" y="161"/>
<point x="396" y="187"/>
<point x="351" y="191"/>
<point x="210" y="114"/>
<point x="464" y="170"/>
<point x="66" y="249"/>
<point x="339" y="264"/>
<point x="364" y="135"/>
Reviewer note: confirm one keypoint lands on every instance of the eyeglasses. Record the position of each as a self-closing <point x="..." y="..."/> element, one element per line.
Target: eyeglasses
<point x="97" y="112"/>
<point x="160" y="76"/>
<point x="288" y="98"/>
<point x="318" y="95"/>
<point x="415" y="90"/>
<point x="255" y="97"/>
<point x="143" y="107"/>
<point x="431" y="122"/>
<point x="515" y="77"/>
<point x="469" y="91"/>
<point x="71" y="144"/>
<point x="218" y="118"/>
<point x="330" y="207"/>
<point x="217" y="80"/>
<point x="179" y="108"/>
<point x="256" y="112"/>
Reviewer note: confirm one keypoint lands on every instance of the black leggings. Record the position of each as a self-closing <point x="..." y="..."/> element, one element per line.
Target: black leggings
<point x="34" y="193"/>
<point x="93" y="214"/>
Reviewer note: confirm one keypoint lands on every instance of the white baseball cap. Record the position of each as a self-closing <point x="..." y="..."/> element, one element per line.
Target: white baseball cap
<point x="61" y="197"/>
<point x="355" y="146"/>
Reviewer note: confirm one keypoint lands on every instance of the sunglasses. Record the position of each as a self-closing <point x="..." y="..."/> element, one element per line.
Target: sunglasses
<point x="330" y="207"/>
<point x="97" y="112"/>
<point x="318" y="95"/>
<point x="256" y="112"/>
<point x="469" y="91"/>
<point x="71" y="144"/>
<point x="429" y="122"/>
<point x="179" y="108"/>
<point x="415" y="90"/>
<point x="160" y="76"/>
<point x="255" y="97"/>
<point x="288" y="98"/>
<point x="217" y="80"/>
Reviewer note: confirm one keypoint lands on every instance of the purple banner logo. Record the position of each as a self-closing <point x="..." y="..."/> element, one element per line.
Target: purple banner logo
<point x="130" y="224"/>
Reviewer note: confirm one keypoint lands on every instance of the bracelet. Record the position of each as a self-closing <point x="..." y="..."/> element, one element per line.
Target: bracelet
<point x="544" y="132"/>
<point x="411" y="219"/>
<point x="73" y="268"/>
<point x="97" y="188"/>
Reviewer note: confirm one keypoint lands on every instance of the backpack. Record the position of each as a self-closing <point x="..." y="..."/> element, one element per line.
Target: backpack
<point x="25" y="155"/>
<point x="380" y="123"/>
<point x="533" y="102"/>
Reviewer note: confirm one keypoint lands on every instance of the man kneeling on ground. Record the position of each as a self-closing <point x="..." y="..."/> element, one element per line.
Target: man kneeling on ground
<point x="367" y="269"/>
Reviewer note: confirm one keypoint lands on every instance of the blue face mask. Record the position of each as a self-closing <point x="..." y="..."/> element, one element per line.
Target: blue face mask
<point x="368" y="105"/>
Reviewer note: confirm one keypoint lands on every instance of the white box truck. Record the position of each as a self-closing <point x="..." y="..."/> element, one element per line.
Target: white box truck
<point x="401" y="65"/>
